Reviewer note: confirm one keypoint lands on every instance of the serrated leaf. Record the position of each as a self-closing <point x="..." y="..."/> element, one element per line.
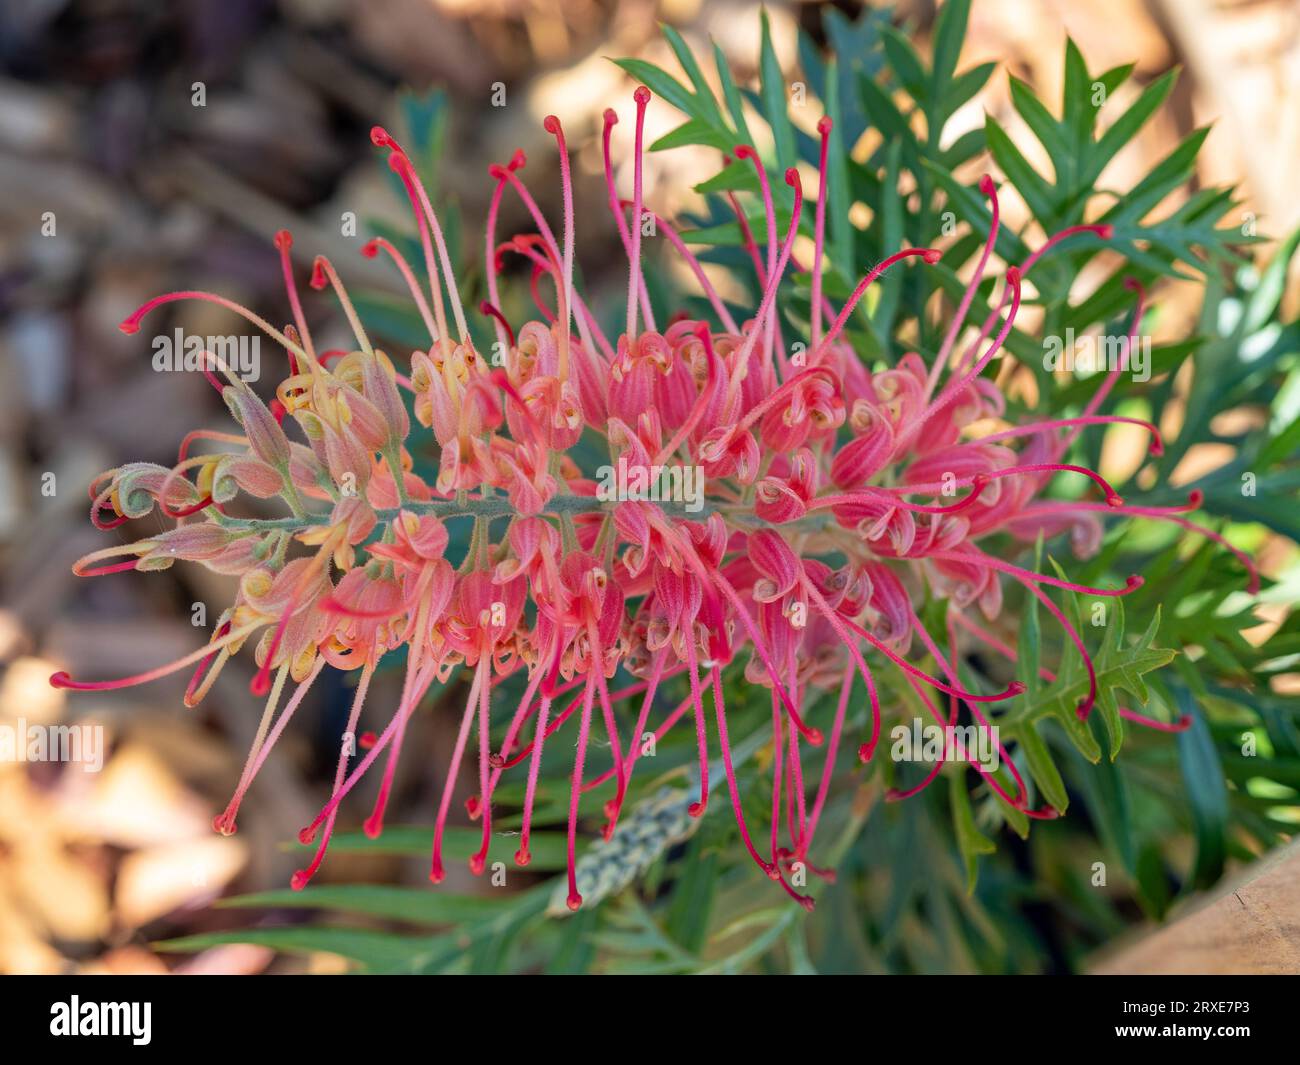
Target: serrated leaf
<point x="1036" y="192"/>
<point x="1126" y="127"/>
<point x="1117" y="669"/>
<point x="708" y="106"/>
<point x="1042" y="125"/>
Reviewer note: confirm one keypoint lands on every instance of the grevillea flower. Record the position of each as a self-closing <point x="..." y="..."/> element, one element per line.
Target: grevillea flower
<point x="838" y="502"/>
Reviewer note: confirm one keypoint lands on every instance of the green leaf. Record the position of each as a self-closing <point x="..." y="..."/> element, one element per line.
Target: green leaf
<point x="1207" y="794"/>
<point x="1118" y="668"/>
<point x="693" y="894"/>
<point x="772" y="85"/>
<point x="1264" y="302"/>
<point x="840" y="228"/>
<point x="703" y="93"/>
<point x="378" y="951"/>
<point x="420" y="905"/>
<point x="664" y="84"/>
<point x="1043" y="126"/>
<point x="694" y="131"/>
<point x="971" y="842"/>
<point x="735" y="102"/>
<point x="964" y="87"/>
<point x="1126" y="126"/>
<point x="1036" y="192"/>
<point x="905" y="62"/>
<point x="1043" y="768"/>
<point x="949" y="33"/>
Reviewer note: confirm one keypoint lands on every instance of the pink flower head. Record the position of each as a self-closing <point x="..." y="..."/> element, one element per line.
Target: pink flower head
<point x="834" y="501"/>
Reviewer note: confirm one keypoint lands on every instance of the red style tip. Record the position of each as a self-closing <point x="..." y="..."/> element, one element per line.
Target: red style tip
<point x="986" y="185"/>
<point x="496" y="761"/>
<point x="931" y="255"/>
<point x="476" y="864"/>
<point x="381" y="138"/>
<point x="367" y="740"/>
<point x="574" y="902"/>
<point x="299" y="880"/>
<point x="695" y="809"/>
<point x="551" y="124"/>
<point x="373" y="826"/>
<point x="1134" y="582"/>
<point x="437" y="875"/>
<point x="1015" y="688"/>
<point x="370" y="249"/>
<point x="792" y="177"/>
<point x="825" y="125"/>
<point x="642" y="95"/>
<point x="1106" y="231"/>
<point x="866" y="751"/>
<point x="130" y="326"/>
<point x="283" y="240"/>
<point x="224" y="824"/>
<point x="807" y="902"/>
<point x="261" y="684"/>
<point x="1195" y="498"/>
<point x="814" y="736"/>
<point x="1013" y="275"/>
<point x="307" y="835"/>
<point x="611" y="117"/>
<point x="522" y="857"/>
<point x="485" y="307"/>
<point x="472" y="807"/>
<point x="1114" y="500"/>
<point x="318" y="278"/>
<point x="61" y="679"/>
<point x="744" y="151"/>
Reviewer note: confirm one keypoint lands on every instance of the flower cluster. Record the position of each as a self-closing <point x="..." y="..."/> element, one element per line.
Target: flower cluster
<point x="838" y="501"/>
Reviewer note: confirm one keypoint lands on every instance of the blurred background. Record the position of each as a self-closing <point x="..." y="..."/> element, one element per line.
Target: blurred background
<point x="151" y="193"/>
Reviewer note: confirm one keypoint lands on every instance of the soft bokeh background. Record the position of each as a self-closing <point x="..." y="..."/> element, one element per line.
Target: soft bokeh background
<point x="151" y="193"/>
